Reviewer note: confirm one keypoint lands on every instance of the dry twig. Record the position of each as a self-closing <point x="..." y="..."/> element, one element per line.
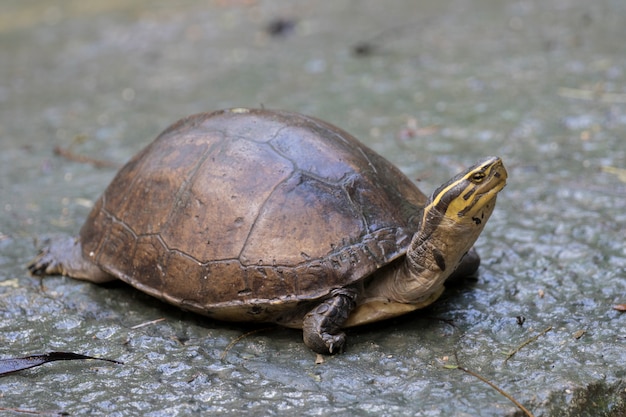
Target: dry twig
<point x="67" y="154"/>
<point x="234" y="342"/>
<point x="527" y="342"/>
<point x="492" y="385"/>
<point x="148" y="323"/>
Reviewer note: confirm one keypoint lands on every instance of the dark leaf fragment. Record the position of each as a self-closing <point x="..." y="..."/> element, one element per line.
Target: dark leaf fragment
<point x="11" y="365"/>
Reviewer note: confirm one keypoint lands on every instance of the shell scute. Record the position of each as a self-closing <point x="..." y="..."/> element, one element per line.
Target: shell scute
<point x="314" y="157"/>
<point x="149" y="263"/>
<point x="305" y="216"/>
<point x="119" y="238"/>
<point x="221" y="201"/>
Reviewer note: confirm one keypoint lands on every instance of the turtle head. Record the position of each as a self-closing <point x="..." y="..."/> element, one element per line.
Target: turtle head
<point x="467" y="200"/>
<point x="453" y="218"/>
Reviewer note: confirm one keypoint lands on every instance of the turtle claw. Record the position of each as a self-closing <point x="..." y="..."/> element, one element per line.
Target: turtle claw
<point x="53" y="256"/>
<point x="335" y="342"/>
<point x="43" y="264"/>
<point x="325" y="343"/>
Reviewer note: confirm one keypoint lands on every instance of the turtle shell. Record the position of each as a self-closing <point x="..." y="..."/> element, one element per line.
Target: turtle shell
<point x="242" y="214"/>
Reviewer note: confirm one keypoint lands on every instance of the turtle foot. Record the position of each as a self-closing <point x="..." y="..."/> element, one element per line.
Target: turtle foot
<point x="321" y="326"/>
<point x="64" y="257"/>
<point x="44" y="264"/>
<point x="52" y="256"/>
<point x="325" y="343"/>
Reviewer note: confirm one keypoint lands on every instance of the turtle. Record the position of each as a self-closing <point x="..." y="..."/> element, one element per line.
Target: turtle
<point x="257" y="215"/>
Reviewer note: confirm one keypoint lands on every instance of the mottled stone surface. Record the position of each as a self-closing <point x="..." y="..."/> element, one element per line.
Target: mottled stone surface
<point x="433" y="86"/>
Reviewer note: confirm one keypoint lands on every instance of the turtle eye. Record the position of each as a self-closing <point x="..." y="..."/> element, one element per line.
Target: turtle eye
<point x="478" y="177"/>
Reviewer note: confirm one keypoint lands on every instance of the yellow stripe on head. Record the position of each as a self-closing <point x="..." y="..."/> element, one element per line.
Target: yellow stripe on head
<point x="464" y="196"/>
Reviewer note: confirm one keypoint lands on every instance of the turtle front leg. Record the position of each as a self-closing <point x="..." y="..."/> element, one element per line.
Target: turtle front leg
<point x="322" y="325"/>
<point x="467" y="267"/>
<point x="64" y="256"/>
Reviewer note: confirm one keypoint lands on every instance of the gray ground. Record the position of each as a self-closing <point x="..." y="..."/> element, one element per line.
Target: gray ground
<point x="437" y="85"/>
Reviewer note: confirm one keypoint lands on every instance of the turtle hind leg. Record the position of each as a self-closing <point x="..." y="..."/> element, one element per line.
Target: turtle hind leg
<point x="64" y="256"/>
<point x="322" y="326"/>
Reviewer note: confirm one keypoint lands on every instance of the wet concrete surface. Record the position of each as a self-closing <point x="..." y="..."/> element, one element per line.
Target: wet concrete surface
<point x="433" y="86"/>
